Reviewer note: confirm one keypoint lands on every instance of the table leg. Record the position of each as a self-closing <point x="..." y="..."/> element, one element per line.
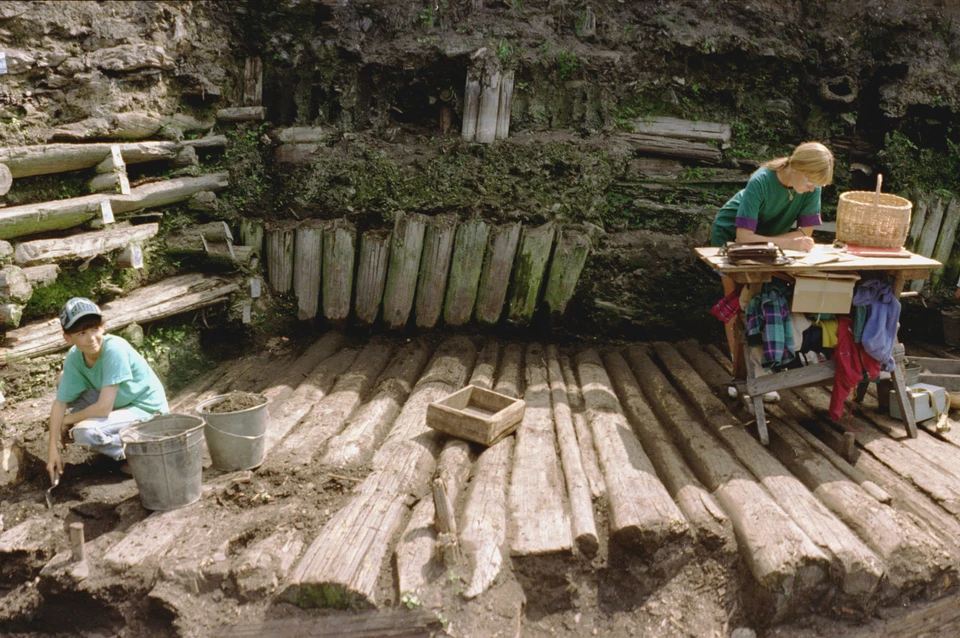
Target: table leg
<point x="761" y="419"/>
<point x="906" y="408"/>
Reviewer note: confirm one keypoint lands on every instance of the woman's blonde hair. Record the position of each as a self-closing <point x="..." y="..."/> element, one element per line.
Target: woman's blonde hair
<point x="813" y="159"/>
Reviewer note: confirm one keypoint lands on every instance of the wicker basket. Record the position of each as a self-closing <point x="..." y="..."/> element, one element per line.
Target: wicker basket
<point x="864" y="221"/>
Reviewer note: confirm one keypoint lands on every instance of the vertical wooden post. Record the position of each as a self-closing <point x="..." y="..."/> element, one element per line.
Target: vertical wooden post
<point x="489" y="106"/>
<point x="280" y="257"/>
<point x="77" y="543"/>
<point x="6" y="179"/>
<point x="253" y="82"/>
<point x="339" y="252"/>
<point x="506" y="102"/>
<point x="471" y="105"/>
<point x="495" y="277"/>
<point x="371" y="274"/>
<point x="434" y="269"/>
<point x="405" y="251"/>
<point x="446" y="524"/>
<point x="307" y="255"/>
<point x="569" y="258"/>
<point x="944" y="244"/>
<point x="532" y="258"/>
<point x="465" y="268"/>
<point x="251" y="233"/>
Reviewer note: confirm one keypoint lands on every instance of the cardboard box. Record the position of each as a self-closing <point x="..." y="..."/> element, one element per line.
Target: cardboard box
<point x="920" y="399"/>
<point x="476" y="414"/>
<point x="823" y="293"/>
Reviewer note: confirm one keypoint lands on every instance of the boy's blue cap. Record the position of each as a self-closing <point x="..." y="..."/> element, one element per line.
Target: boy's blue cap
<point x="75" y="309"/>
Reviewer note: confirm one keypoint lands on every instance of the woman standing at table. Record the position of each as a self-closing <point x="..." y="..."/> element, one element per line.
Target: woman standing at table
<point x="780" y="204"/>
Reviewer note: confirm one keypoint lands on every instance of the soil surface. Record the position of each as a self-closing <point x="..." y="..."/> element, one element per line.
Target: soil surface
<point x="235" y="402"/>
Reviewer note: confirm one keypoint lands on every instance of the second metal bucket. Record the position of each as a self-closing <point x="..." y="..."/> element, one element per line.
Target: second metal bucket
<point x="236" y="440"/>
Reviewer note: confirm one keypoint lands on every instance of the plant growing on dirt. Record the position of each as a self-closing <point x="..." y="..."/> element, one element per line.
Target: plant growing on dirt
<point x="410" y="600"/>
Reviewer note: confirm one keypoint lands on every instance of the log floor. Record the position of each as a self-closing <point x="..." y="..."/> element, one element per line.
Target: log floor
<point x="631" y="472"/>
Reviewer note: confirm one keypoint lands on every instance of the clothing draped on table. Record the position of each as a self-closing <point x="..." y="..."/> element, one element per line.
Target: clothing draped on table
<point x="880" y="325"/>
<point x="854" y="365"/>
<point x="769" y="325"/>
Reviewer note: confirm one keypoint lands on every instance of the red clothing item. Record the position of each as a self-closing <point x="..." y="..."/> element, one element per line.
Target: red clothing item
<point x="852" y="364"/>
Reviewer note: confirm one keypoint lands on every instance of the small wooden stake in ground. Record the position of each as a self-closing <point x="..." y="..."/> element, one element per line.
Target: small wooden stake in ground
<point x="77" y="543"/>
<point x="446" y="525"/>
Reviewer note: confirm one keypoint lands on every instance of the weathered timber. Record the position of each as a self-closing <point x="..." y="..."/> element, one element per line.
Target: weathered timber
<point x="466" y="265"/>
<point x="301" y="135"/>
<point x="928" y="236"/>
<point x="495" y="277"/>
<point x="10" y="315"/>
<point x="6" y="179"/>
<point x="6" y="252"/>
<point x="948" y="232"/>
<point x="307" y="260"/>
<point x="578" y="492"/>
<point x="526" y="282"/>
<point x="941" y="486"/>
<point x="537" y="514"/>
<point x="264" y="564"/>
<point x="483" y="522"/>
<point x="471" y="105"/>
<point x="242" y="113"/>
<point x="280" y="238"/>
<point x="83" y="246"/>
<point x="917" y="220"/>
<point x="434" y="268"/>
<point x="281" y="387"/>
<point x="446" y="525"/>
<point x="404" y="623"/>
<point x="641" y="511"/>
<point x="166" y="192"/>
<point x="667" y="147"/>
<point x="405" y="251"/>
<point x="905" y="549"/>
<point x="15" y="287"/>
<point x="347" y="555"/>
<point x="694" y="130"/>
<point x="569" y="258"/>
<point x="860" y="568"/>
<point x="251" y="233"/>
<point x="366" y="430"/>
<point x="327" y="416"/>
<point x="116" y="181"/>
<point x="371" y="274"/>
<point x="505" y="104"/>
<point x="788" y="572"/>
<point x="27" y="546"/>
<point x="41" y="275"/>
<point x="339" y="251"/>
<point x="285" y="416"/>
<point x="131" y="257"/>
<point x="588" y="453"/>
<point x="25" y="161"/>
<point x="253" y="82"/>
<point x="489" y="104"/>
<point x="150" y="303"/>
<point x="145" y="543"/>
<point x="708" y="521"/>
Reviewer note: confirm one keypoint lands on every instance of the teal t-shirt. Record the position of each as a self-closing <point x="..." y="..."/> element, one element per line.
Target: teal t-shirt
<point x="766" y="207"/>
<point x="119" y="364"/>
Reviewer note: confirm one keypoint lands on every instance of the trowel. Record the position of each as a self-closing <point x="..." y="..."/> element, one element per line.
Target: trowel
<point x="53" y="483"/>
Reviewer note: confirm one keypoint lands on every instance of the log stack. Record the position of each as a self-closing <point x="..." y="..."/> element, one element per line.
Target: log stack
<point x="488" y="97"/>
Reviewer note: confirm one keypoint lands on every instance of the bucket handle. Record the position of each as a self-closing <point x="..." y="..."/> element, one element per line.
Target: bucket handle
<point x="239" y="436"/>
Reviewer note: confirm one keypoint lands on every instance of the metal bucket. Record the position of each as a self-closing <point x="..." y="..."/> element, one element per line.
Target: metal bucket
<point x="165" y="456"/>
<point x="236" y="440"/>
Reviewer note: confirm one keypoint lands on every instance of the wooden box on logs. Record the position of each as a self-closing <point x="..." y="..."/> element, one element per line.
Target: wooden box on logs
<point x="476" y="414"/>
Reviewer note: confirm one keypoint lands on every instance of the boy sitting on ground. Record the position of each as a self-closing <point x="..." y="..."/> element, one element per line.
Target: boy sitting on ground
<point x="106" y="386"/>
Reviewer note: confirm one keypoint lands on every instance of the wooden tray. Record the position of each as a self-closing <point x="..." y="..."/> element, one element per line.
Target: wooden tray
<point x="476" y="414"/>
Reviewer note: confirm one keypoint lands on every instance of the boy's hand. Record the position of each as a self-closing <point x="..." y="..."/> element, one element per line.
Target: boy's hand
<point x="54" y="464"/>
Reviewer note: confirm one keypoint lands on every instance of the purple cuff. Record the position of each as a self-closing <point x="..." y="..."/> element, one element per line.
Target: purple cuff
<point x="808" y="220"/>
<point x="747" y="222"/>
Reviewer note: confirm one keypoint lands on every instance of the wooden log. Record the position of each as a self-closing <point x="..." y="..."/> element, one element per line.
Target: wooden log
<point x="466" y="265"/>
<point x="280" y="239"/>
<point x="364" y="432"/>
<point x="667" y="147"/>
<point x="41" y="275"/>
<point x="446" y="525"/>
<point x="483" y="523"/>
<point x="347" y="556"/>
<point x="251" y="233"/>
<point x="694" y="130"/>
<point x="242" y="113"/>
<point x="641" y="511"/>
<point x="196" y="239"/>
<point x="115" y="182"/>
<point x="578" y="492"/>
<point x="588" y="453"/>
<point x="537" y="516"/>
<point x="144" y="544"/>
<point x="917" y="220"/>
<point x="6" y="179"/>
<point x="434" y="268"/>
<point x="10" y="315"/>
<point x="859" y="566"/>
<point x="307" y="261"/>
<point x="403" y="623"/>
<point x="339" y="251"/>
<point x="265" y="563"/>
<point x="471" y="106"/>
<point x="83" y="246"/>
<point x="150" y="303"/>
<point x="928" y="236"/>
<point x="14" y="285"/>
<point x="944" y="244"/>
<point x="253" y="82"/>
<point x="284" y="385"/>
<point x="526" y="282"/>
<point x="495" y="278"/>
<point x="405" y="251"/>
<point x="505" y="104"/>
<point x="301" y="135"/>
<point x="569" y="258"/>
<point x="167" y="192"/>
<point x="489" y="104"/>
<point x="6" y="252"/>
<point x="371" y="274"/>
<point x="708" y="521"/>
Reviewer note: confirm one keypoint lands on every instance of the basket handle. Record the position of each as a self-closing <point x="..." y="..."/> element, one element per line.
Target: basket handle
<point x="876" y="197"/>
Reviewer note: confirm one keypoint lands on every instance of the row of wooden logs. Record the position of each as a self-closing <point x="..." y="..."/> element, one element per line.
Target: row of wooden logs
<point x="424" y="268"/>
<point x="933" y="229"/>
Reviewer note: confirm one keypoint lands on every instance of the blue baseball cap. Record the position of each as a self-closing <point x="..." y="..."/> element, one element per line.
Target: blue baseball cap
<point x="75" y="309"/>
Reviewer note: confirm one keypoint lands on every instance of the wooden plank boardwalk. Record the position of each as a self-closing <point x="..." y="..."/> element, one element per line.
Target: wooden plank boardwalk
<point x="628" y="451"/>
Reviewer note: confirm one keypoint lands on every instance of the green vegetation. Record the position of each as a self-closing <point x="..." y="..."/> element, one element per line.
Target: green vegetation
<point x="174" y="353"/>
<point x="47" y="300"/>
<point x="328" y="597"/>
<point x="931" y="168"/>
<point x="45" y="188"/>
<point x="250" y="185"/>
